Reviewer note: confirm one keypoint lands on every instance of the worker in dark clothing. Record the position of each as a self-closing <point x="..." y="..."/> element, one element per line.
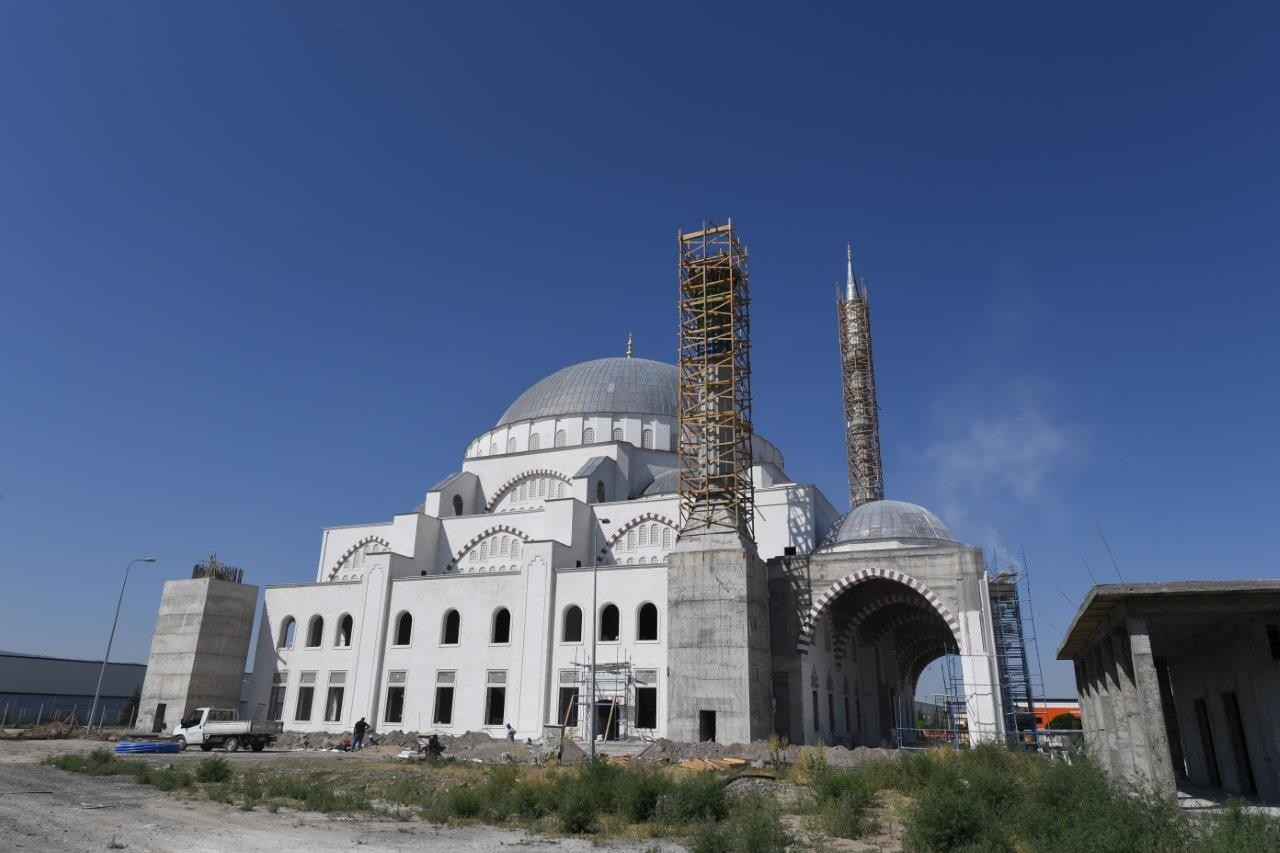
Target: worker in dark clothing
<point x="360" y="729"/>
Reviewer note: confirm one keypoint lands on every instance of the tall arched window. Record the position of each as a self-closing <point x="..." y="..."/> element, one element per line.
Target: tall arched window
<point x="404" y="629"/>
<point x="450" y="628"/>
<point x="617" y="433"/>
<point x="457" y="504"/>
<point x="647" y="622"/>
<point x="666" y="537"/>
<point x="572" y="631"/>
<point x="342" y="637"/>
<point x="589" y="435"/>
<point x="511" y="445"/>
<point x="535" y="441"/>
<point x="501" y="626"/>
<point x="287" y="630"/>
<point x="315" y="632"/>
<point x="609" y="623"/>
<point x="562" y="438"/>
<point x="493" y="448"/>
<point x="646" y="439"/>
<point x="599" y="491"/>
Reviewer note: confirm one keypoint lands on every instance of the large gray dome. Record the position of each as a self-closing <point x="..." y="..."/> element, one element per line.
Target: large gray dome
<point x="888" y="520"/>
<point x="617" y="386"/>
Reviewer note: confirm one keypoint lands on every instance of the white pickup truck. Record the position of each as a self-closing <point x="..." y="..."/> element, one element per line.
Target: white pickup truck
<point x="210" y="727"/>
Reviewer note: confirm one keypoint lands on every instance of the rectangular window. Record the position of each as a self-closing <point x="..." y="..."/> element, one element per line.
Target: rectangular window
<point x="333" y="705"/>
<point x="815" y="711"/>
<point x="568" y="713"/>
<point x="831" y="712"/>
<point x="444" y="706"/>
<point x="646" y="707"/>
<point x="1273" y="638"/>
<point x="395" y="704"/>
<point x="848" y="723"/>
<point x="495" y="706"/>
<point x="306" y="694"/>
<point x="275" y="704"/>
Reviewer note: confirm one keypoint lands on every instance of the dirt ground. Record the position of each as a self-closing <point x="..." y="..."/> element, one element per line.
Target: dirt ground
<point x="43" y="808"/>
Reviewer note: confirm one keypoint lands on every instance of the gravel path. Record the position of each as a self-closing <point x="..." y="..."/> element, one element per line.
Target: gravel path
<point x="42" y="808"/>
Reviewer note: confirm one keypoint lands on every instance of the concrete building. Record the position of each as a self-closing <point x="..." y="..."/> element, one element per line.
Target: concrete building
<point x="198" y="649"/>
<point x="1179" y="684"/>
<point x="35" y="687"/>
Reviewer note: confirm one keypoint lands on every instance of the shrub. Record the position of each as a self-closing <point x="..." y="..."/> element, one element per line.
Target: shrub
<point x="812" y="762"/>
<point x="777" y="752"/>
<point x="752" y="826"/>
<point x="945" y="817"/>
<point x="1065" y="720"/>
<point x="169" y="779"/>
<point x="1237" y="831"/>
<point x="213" y="770"/>
<point x="698" y="797"/>
<point x="636" y="794"/>
<point x="532" y="800"/>
<point x="465" y="802"/>
<point x="578" y="811"/>
<point x="251" y="787"/>
<point x="844" y="803"/>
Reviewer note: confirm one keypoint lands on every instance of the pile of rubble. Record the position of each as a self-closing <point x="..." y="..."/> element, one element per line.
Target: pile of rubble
<point x="44" y="731"/>
<point x="757" y="753"/>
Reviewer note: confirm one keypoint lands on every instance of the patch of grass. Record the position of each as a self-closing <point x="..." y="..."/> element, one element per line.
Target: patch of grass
<point x="465" y="802"/>
<point x="577" y="811"/>
<point x="213" y="770"/>
<point x="844" y="802"/>
<point x="694" y="798"/>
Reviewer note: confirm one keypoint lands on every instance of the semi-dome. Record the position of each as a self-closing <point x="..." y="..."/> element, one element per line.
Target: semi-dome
<point x="666" y="483"/>
<point x="616" y="386"/>
<point x="888" y="520"/>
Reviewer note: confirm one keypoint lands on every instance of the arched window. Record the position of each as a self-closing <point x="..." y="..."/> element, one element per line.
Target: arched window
<point x="493" y="449"/>
<point x="511" y="445"/>
<point x="646" y="439"/>
<point x="647" y="622"/>
<point x="589" y="435"/>
<point x="404" y="629"/>
<point x="599" y="491"/>
<point x="666" y="537"/>
<point x="609" y="623"/>
<point x="501" y="626"/>
<point x="617" y="433"/>
<point x="342" y="637"/>
<point x="572" y="631"/>
<point x="287" y="629"/>
<point x="535" y="441"/>
<point x="315" y="632"/>
<point x="562" y="438"/>
<point x="457" y="504"/>
<point x="450" y="628"/>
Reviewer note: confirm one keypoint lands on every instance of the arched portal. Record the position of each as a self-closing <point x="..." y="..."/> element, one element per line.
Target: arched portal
<point x="875" y="631"/>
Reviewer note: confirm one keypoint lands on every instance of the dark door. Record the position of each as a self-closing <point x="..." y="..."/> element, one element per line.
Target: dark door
<point x="706" y="725"/>
<point x="158" y="724"/>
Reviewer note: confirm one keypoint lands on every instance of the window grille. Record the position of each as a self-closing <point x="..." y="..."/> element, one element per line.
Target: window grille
<point x="535" y="441"/>
<point x="561" y="438"/>
<point x="588" y="436"/>
<point x="617" y="433"/>
<point x="511" y="445"/>
<point x="396" y="676"/>
<point x="280" y="677"/>
<point x="646" y="439"/>
<point x="446" y="676"/>
<point x="497" y="676"/>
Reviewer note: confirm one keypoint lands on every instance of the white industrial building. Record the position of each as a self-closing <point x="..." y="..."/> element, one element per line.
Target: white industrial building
<point x="475" y="609"/>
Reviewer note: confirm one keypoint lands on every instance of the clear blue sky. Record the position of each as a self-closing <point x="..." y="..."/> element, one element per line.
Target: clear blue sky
<point x="267" y="267"/>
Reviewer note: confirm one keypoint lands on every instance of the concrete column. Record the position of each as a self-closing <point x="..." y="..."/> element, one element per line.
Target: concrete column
<point x="370" y="642"/>
<point x="1151" y="746"/>
<point x="1119" y="737"/>
<point x="718" y="639"/>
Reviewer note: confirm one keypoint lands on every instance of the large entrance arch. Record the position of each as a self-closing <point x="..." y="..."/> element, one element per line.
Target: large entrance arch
<point x="864" y="643"/>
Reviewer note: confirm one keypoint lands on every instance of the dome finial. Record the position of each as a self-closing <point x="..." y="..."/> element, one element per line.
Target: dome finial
<point x="850" y="283"/>
<point x="628" y="344"/>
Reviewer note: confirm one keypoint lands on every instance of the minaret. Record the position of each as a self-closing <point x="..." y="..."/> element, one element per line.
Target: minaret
<point x="861" y="415"/>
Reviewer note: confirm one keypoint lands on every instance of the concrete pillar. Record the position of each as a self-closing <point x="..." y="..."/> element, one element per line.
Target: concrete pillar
<point x="1119" y="738"/>
<point x="718" y="639"/>
<point x="1151" y="742"/>
<point x="370" y="642"/>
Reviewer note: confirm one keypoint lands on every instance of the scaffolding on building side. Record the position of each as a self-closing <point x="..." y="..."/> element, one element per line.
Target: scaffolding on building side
<point x="716" y="492"/>
<point x="1016" y="650"/>
<point x="858" y="380"/>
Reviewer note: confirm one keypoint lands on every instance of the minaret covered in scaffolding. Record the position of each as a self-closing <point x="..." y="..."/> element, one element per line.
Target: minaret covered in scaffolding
<point x="858" y="374"/>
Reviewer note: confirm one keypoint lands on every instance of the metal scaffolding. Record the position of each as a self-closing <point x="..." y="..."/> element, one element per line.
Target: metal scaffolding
<point x="1016" y="654"/>
<point x="715" y="384"/>
<point x="861" y="415"/>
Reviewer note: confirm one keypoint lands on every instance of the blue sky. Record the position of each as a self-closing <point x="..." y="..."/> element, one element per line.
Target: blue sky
<point x="267" y="267"/>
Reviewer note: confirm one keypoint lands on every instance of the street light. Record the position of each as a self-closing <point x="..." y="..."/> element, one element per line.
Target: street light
<point x="97" y="691"/>
<point x="596" y="557"/>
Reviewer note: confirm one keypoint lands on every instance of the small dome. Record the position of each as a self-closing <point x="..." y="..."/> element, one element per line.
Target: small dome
<point x="888" y="520"/>
<point x="668" y="482"/>
<point x="605" y="386"/>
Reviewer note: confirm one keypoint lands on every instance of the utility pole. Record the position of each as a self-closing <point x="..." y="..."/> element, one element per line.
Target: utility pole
<point x="103" y="671"/>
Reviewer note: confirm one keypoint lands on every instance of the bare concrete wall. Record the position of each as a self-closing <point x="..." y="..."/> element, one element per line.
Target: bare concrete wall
<point x="198" y="649"/>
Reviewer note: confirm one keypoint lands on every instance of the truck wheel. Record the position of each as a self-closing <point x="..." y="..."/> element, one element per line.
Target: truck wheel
<point x="233" y="744"/>
<point x="181" y="742"/>
<point x="258" y="746"/>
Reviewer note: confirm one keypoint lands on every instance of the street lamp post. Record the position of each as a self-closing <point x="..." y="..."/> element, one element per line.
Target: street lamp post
<point x="596" y="557"/>
<point x="97" y="691"/>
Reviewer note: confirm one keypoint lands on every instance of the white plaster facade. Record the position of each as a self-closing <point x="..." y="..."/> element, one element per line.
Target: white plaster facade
<point x="579" y="471"/>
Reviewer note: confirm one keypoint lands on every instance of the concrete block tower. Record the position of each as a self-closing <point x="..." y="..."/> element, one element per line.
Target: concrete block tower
<point x="717" y="586"/>
<point x="200" y="645"/>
